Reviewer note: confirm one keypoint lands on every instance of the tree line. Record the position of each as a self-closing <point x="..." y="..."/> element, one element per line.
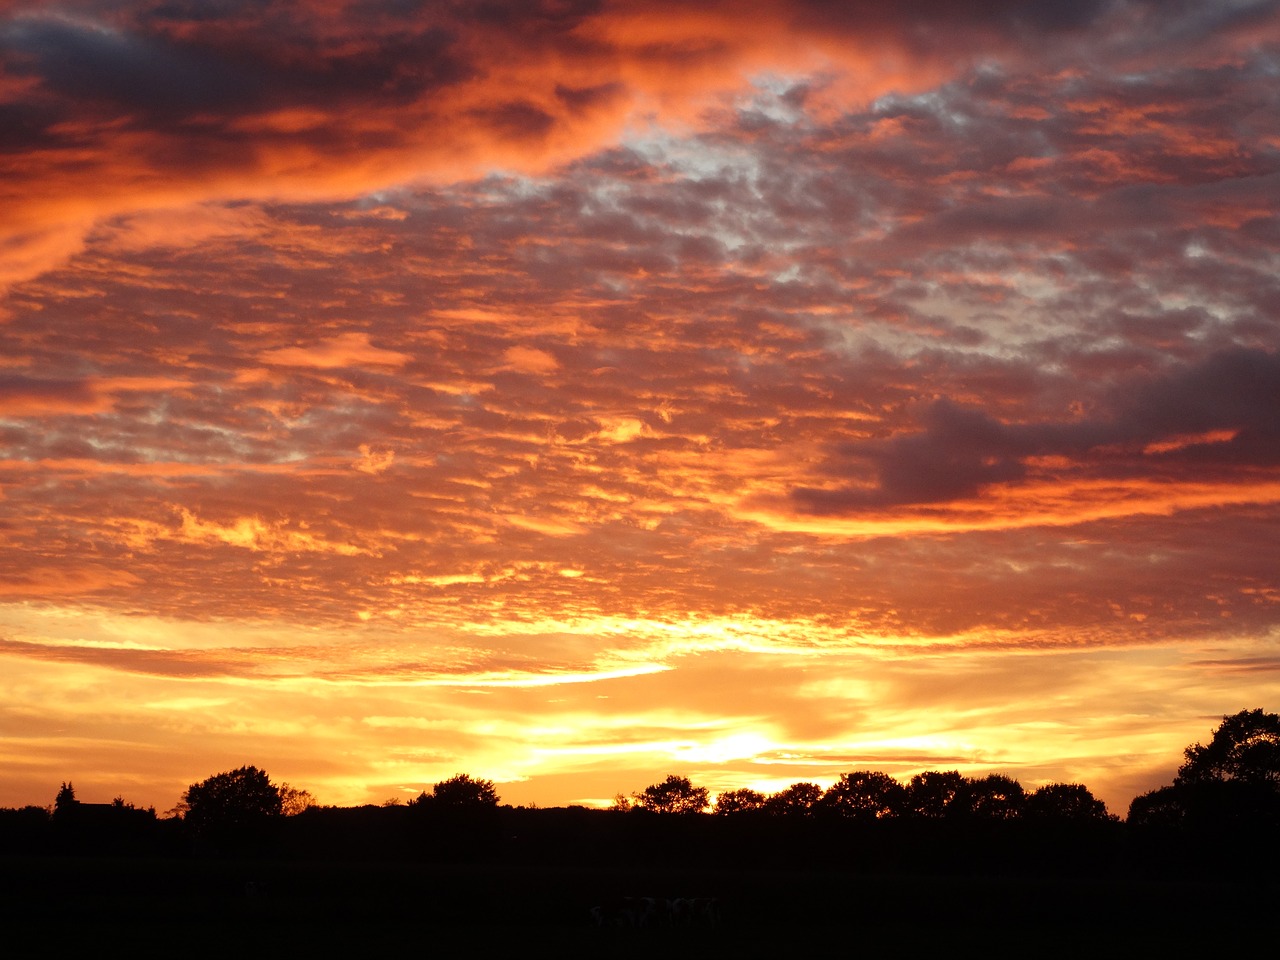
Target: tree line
<point x="869" y="795"/>
<point x="1227" y="788"/>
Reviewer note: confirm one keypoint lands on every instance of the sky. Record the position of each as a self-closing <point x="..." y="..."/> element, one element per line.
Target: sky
<point x="572" y="393"/>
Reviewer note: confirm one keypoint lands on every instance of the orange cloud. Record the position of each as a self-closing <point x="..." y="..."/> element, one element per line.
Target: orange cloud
<point x="345" y="350"/>
<point x="23" y="396"/>
<point x="343" y="108"/>
<point x="772" y="389"/>
<point x="64" y="580"/>
<point x="530" y="360"/>
<point x="374" y="462"/>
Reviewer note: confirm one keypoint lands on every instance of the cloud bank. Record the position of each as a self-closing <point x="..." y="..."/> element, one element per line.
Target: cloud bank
<point x="572" y="379"/>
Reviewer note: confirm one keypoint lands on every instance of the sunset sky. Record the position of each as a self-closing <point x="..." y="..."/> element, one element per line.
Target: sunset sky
<point x="571" y="393"/>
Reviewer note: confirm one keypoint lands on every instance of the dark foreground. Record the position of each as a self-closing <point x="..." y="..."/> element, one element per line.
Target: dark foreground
<point x="238" y="908"/>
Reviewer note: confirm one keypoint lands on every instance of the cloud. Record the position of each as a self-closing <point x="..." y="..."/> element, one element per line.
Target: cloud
<point x="1236" y="391"/>
<point x="345" y="350"/>
<point x="65" y="580"/>
<point x="91" y="62"/>
<point x="167" y="663"/>
<point x="373" y="461"/>
<point x="26" y="396"/>
<point x="530" y="360"/>
<point x="188" y="226"/>
<point x="1263" y="665"/>
<point x="860" y="364"/>
<point x="23" y="396"/>
<point x="118" y="109"/>
<point x="251" y="533"/>
<point x="1221" y="412"/>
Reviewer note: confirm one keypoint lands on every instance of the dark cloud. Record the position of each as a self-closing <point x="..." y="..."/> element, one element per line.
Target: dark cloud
<point x="1235" y="389"/>
<point x="156" y="79"/>
<point x="583" y="98"/>
<point x="516" y="120"/>
<point x="33" y="396"/>
<point x="88" y="65"/>
<point x="960" y="451"/>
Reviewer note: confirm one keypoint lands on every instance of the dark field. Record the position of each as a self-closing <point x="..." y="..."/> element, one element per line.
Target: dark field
<point x="248" y="908"/>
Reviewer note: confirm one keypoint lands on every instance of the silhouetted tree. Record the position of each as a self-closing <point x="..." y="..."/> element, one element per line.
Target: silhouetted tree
<point x="294" y="801"/>
<point x="1067" y="802"/>
<point x="1228" y="787"/>
<point x="1245" y="748"/>
<point x="739" y="801"/>
<point x="993" y="797"/>
<point x="461" y="792"/>
<point x="458" y="819"/>
<point x="933" y="794"/>
<point x="25" y="830"/>
<point x="799" y="799"/>
<point x="235" y="807"/>
<point x="865" y="795"/>
<point x="673" y="795"/>
<point x="65" y="801"/>
<point x="1165" y="808"/>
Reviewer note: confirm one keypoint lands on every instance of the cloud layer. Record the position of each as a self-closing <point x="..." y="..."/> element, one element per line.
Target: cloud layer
<point x="574" y="379"/>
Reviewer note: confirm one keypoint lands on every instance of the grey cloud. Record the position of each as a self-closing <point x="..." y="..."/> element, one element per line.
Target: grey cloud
<point x="135" y="72"/>
<point x="948" y="14"/>
<point x="584" y="98"/>
<point x="1237" y="388"/>
<point x="57" y="392"/>
<point x="960" y="450"/>
<point x="156" y="79"/>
